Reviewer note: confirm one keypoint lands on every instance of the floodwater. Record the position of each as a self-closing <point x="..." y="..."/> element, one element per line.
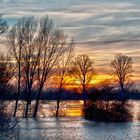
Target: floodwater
<point x="72" y="126"/>
<point x="77" y="128"/>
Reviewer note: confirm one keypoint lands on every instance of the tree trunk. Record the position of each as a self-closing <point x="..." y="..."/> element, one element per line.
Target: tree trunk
<point x="17" y="98"/>
<point x="19" y="80"/>
<point x="26" y="111"/>
<point x="37" y="102"/>
<point x="58" y="102"/>
<point x="122" y="88"/>
<point x="28" y="102"/>
<point x="84" y="94"/>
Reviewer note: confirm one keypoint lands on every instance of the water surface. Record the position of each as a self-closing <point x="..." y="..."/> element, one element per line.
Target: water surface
<point x="72" y="126"/>
<point x="77" y="128"/>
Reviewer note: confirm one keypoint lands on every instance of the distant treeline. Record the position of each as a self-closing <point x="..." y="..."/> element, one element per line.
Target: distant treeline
<point x="69" y="95"/>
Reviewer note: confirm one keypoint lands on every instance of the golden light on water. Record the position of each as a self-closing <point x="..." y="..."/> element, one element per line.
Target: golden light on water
<point x="74" y="113"/>
<point x="74" y="109"/>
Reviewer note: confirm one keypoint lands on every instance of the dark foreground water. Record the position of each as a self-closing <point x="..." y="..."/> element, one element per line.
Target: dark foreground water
<point x="72" y="126"/>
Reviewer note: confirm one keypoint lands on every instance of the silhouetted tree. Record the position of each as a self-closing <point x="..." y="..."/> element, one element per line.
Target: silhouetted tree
<point x="82" y="69"/>
<point x="6" y="70"/>
<point x="53" y="43"/>
<point x="36" y="47"/>
<point x="3" y="25"/>
<point x="15" y="43"/>
<point x="63" y="68"/>
<point x="8" y="124"/>
<point x="122" y="70"/>
<point x="30" y="56"/>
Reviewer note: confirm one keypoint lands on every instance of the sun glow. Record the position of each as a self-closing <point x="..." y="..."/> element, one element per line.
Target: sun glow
<point x="98" y="79"/>
<point x="71" y="82"/>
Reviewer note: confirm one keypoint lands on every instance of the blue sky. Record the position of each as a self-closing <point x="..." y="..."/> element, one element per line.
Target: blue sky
<point x="100" y="28"/>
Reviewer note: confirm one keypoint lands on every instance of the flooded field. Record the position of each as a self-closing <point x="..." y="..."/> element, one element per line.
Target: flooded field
<point x="67" y="108"/>
<point x="77" y="128"/>
<point x="72" y="126"/>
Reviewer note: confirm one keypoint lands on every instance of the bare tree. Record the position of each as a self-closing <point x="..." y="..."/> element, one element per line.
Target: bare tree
<point x="6" y="70"/>
<point x="122" y="70"/>
<point x="5" y="63"/>
<point x="24" y="45"/>
<point x="53" y="43"/>
<point x="8" y="123"/>
<point x="63" y="69"/>
<point x="3" y="25"/>
<point x="30" y="57"/>
<point x="36" y="47"/>
<point x="15" y="43"/>
<point x="82" y="69"/>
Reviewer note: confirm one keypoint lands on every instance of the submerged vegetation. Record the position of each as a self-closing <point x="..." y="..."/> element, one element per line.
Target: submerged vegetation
<point x="109" y="111"/>
<point x="9" y="125"/>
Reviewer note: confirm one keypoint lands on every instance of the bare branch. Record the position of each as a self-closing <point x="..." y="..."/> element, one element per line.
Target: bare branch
<point x="122" y="69"/>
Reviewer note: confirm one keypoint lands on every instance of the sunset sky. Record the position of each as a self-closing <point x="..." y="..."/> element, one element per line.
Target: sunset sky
<point x="100" y="28"/>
